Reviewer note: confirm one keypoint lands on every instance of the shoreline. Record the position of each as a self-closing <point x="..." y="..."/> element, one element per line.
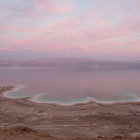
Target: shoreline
<point x="88" y="120"/>
<point x="87" y="100"/>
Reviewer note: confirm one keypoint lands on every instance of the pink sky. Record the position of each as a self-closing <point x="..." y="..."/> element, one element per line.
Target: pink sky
<point x="102" y="29"/>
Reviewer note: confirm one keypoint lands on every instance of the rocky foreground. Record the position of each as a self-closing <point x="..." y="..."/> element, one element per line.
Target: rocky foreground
<point x="21" y="119"/>
<point x="25" y="133"/>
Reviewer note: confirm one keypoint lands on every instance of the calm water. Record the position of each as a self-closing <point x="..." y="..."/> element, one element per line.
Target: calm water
<point x="69" y="87"/>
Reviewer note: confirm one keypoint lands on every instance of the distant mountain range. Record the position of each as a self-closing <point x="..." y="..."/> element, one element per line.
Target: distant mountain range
<point x="70" y="64"/>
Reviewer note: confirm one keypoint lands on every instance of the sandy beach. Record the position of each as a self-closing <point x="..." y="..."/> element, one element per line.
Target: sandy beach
<point x="26" y="120"/>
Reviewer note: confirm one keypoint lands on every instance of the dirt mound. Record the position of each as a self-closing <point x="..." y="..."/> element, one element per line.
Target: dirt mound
<point x="21" y="130"/>
<point x="25" y="133"/>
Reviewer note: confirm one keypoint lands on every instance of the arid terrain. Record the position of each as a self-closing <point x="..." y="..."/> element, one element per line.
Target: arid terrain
<point x="25" y="133"/>
<point x="21" y="119"/>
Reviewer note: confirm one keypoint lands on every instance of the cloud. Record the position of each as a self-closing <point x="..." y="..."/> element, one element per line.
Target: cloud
<point x="19" y="29"/>
<point x="53" y="6"/>
<point x="97" y="29"/>
<point x="73" y="34"/>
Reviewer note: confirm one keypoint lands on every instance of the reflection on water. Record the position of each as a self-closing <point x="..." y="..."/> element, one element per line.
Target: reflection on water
<point x="63" y="86"/>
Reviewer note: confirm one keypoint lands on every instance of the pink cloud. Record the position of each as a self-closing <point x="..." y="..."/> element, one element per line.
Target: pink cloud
<point x="22" y="29"/>
<point x="53" y="6"/>
<point x="67" y="38"/>
<point x="85" y="33"/>
<point x="9" y="49"/>
<point x="130" y="25"/>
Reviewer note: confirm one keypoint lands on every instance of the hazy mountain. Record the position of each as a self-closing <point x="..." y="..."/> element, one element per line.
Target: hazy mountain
<point x="69" y="64"/>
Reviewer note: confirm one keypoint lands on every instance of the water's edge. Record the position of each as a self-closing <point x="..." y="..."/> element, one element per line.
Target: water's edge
<point x="85" y="100"/>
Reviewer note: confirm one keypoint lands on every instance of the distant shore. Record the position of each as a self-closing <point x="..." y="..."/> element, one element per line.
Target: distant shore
<point x="88" y="120"/>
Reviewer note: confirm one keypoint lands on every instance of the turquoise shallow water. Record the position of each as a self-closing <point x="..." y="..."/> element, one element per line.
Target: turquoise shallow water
<point x="41" y="98"/>
<point x="65" y="87"/>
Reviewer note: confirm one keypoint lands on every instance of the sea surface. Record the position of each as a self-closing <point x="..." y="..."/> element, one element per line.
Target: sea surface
<point x="68" y="87"/>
